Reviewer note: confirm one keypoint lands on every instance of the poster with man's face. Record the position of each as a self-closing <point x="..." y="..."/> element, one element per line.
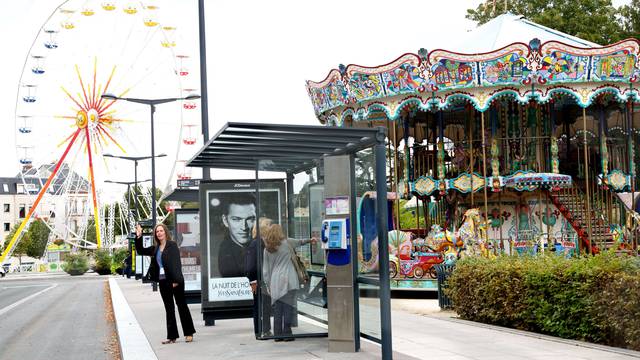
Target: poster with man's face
<point x="231" y="215"/>
<point x="187" y="235"/>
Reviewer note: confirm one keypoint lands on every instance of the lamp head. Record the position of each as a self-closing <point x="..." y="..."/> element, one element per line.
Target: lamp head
<point x="109" y="97"/>
<point x="192" y="97"/>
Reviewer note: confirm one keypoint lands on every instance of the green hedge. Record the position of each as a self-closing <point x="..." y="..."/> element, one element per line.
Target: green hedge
<point x="595" y="298"/>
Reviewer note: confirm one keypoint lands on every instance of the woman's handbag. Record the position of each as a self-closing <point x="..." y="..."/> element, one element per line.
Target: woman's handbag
<point x="303" y="277"/>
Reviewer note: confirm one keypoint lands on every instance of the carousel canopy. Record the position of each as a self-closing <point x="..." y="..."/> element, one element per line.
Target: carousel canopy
<point x="508" y="57"/>
<point x="509" y="28"/>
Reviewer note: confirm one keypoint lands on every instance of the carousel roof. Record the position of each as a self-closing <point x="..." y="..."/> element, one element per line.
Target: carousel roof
<point x="508" y="57"/>
<point x="509" y="28"/>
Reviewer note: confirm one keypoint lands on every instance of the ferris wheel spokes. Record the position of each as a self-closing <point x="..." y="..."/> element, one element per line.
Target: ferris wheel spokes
<point x="43" y="190"/>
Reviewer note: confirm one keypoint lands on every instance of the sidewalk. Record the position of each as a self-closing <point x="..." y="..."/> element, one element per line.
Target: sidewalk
<point x="419" y="332"/>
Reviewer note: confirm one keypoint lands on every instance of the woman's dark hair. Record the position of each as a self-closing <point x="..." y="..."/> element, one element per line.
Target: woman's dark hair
<point x="166" y="231"/>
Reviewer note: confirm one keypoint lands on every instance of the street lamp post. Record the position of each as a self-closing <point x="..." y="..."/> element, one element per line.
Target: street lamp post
<point x="128" y="183"/>
<point x="152" y="104"/>
<point x="135" y="160"/>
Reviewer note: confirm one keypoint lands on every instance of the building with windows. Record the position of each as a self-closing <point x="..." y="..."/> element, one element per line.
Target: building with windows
<point x="65" y="207"/>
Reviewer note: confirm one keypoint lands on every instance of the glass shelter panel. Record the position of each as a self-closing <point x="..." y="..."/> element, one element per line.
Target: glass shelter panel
<point x="287" y="294"/>
<point x="367" y="237"/>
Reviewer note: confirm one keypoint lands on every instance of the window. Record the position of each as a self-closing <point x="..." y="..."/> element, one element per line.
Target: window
<point x="7" y="227"/>
<point x="22" y="213"/>
<point x="7" y="207"/>
<point x="5" y="187"/>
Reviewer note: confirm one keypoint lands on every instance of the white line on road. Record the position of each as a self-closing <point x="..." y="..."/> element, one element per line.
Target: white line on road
<point x="24" y="286"/>
<point x="9" y="307"/>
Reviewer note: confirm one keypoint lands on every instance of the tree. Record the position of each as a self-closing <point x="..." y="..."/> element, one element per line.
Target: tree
<point x="630" y="19"/>
<point x="38" y="235"/>
<point x="22" y="246"/>
<point x="592" y="20"/>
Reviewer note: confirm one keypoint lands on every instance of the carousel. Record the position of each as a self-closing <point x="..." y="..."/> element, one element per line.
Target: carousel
<point x="525" y="147"/>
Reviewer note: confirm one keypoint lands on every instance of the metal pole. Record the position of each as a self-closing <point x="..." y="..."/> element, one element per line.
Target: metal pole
<point x="153" y="172"/>
<point x="259" y="254"/>
<point x="383" y="246"/>
<point x="203" y="82"/>
<point x="290" y="205"/>
<point x="484" y="174"/>
<point x="586" y="178"/>
<point x="135" y="187"/>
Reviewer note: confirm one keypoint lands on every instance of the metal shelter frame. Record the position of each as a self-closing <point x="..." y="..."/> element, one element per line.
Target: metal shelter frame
<point x="295" y="148"/>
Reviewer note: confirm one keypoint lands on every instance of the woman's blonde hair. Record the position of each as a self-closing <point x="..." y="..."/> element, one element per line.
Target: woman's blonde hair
<point x="273" y="237"/>
<point x="263" y="223"/>
<point x="167" y="233"/>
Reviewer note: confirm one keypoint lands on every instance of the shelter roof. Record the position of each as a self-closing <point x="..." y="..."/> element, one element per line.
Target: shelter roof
<point x="280" y="148"/>
<point x="507" y="29"/>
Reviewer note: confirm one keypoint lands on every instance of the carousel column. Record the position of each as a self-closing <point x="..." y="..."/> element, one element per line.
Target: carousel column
<point x="441" y="170"/>
<point x="555" y="161"/>
<point x="495" y="151"/>
<point x="471" y="155"/>
<point x="586" y="178"/>
<point x="395" y="175"/>
<point x="632" y="168"/>
<point x="604" y="152"/>
<point x="484" y="175"/>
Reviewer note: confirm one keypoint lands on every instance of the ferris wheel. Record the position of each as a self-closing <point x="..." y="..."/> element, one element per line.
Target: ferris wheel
<point x="63" y="126"/>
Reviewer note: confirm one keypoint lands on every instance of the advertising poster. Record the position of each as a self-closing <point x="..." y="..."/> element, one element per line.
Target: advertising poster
<point x="187" y="235"/>
<point x="229" y="213"/>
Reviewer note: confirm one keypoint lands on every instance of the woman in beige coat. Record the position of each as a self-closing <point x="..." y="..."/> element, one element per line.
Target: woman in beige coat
<point x="280" y="276"/>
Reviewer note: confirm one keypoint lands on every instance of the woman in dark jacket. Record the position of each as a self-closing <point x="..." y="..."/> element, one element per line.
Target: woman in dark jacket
<point x="166" y="269"/>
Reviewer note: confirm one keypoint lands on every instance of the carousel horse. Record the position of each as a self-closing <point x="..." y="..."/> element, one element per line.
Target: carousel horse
<point x="468" y="241"/>
<point x="472" y="234"/>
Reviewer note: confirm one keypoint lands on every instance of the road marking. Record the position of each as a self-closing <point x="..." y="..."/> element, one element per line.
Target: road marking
<point x="9" y="307"/>
<point x="23" y="286"/>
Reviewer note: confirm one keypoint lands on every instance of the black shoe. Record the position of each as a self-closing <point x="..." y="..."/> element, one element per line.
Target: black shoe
<point x="278" y="340"/>
<point x="289" y="339"/>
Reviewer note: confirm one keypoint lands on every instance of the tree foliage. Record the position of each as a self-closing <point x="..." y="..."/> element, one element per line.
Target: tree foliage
<point x="33" y="242"/>
<point x="593" y="20"/>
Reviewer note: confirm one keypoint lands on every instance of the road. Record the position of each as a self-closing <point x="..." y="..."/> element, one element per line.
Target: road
<point x="54" y="318"/>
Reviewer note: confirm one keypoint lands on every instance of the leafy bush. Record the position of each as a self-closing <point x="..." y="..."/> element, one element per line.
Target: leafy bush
<point x="593" y="298"/>
<point x="76" y="264"/>
<point x="102" y="259"/>
<point x="117" y="262"/>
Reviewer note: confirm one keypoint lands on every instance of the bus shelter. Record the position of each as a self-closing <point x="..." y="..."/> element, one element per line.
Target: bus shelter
<point x="317" y="198"/>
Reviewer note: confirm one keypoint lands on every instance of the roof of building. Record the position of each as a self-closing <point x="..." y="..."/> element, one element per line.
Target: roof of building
<point x="34" y="178"/>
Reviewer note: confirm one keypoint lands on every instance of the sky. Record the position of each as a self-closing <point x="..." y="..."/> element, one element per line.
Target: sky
<point x="259" y="54"/>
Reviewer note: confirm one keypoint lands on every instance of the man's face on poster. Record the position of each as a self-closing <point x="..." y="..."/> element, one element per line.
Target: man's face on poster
<point x="239" y="221"/>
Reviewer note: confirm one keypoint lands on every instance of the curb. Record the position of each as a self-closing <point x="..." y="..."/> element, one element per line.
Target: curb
<point x="577" y="343"/>
<point x="132" y="340"/>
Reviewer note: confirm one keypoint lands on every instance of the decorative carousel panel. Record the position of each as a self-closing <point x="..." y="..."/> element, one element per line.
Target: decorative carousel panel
<point x="463" y="183"/>
<point x="559" y="66"/>
<point x="510" y="69"/>
<point x="407" y="78"/>
<point x="425" y="185"/>
<point x="447" y="74"/>
<point x="336" y="93"/>
<point x="366" y="86"/>
<point x="319" y="92"/>
<point x="617" y="180"/>
<point x="619" y="66"/>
